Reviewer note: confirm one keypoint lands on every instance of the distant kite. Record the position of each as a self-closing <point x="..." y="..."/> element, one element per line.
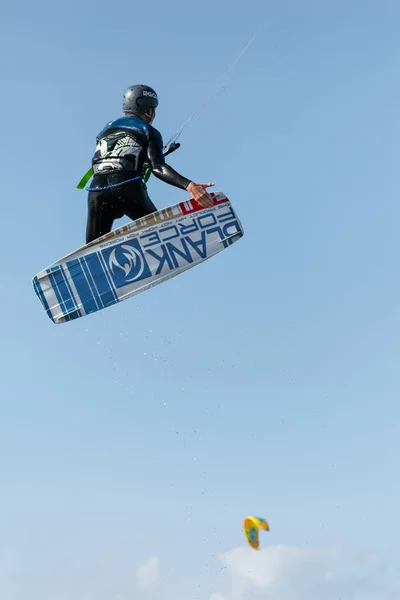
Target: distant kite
<point x="251" y="527"/>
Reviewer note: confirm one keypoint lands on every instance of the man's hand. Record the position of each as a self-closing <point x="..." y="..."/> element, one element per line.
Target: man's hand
<point x="198" y="193"/>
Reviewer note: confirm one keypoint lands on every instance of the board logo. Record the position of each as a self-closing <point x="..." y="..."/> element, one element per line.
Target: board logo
<point x="126" y="263"/>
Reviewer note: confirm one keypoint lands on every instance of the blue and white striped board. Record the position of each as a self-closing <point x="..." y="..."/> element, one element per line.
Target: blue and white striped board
<point x="135" y="257"/>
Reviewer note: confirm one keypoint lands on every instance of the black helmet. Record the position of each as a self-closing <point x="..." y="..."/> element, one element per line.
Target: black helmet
<point x="139" y="98"/>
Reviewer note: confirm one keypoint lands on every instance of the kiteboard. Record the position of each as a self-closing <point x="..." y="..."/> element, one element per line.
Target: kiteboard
<point x="136" y="257"/>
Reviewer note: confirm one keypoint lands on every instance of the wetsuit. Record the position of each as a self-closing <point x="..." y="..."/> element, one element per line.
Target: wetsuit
<point x="125" y="147"/>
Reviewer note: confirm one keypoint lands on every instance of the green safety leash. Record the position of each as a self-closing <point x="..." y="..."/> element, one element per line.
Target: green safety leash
<point x="146" y="177"/>
<point x="85" y="179"/>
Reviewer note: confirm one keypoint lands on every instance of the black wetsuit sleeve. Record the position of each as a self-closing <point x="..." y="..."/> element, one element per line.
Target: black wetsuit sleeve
<point x="158" y="165"/>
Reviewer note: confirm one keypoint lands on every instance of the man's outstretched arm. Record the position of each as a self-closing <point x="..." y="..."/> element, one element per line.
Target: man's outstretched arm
<point x="166" y="173"/>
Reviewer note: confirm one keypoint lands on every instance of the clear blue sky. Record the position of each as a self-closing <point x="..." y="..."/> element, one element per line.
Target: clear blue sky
<point x="265" y="381"/>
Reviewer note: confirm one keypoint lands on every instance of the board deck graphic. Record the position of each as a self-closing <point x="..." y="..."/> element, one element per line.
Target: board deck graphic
<point x="135" y="257"/>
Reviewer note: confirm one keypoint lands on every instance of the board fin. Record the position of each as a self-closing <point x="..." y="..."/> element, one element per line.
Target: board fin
<point x="230" y="237"/>
<point x="63" y="316"/>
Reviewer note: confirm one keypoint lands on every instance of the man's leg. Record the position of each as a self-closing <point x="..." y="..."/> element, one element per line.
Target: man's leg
<point x="100" y="215"/>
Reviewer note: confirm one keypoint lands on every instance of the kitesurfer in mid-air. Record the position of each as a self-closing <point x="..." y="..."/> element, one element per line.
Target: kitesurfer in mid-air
<point x="125" y="147"/>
